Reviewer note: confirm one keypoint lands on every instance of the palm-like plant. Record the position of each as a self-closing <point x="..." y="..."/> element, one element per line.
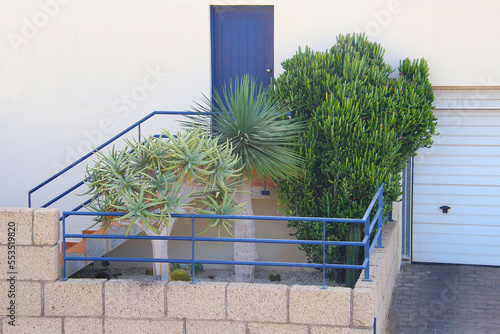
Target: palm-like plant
<point x="157" y="177"/>
<point x="261" y="134"/>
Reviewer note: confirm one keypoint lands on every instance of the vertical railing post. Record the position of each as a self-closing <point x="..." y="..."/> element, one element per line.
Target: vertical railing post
<point x="64" y="278"/>
<point x="367" y="248"/>
<point x="139" y="130"/>
<point x="380" y="223"/>
<point x="324" y="255"/>
<point x="193" y="281"/>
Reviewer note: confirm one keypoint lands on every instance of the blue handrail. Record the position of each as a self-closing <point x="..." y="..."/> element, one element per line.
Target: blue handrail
<point x="53" y="177"/>
<point x="368" y="247"/>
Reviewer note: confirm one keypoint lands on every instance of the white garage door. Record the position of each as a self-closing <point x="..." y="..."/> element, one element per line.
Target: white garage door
<point x="462" y="171"/>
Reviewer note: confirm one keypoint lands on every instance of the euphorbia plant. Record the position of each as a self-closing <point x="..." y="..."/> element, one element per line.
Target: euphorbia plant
<point x="151" y="180"/>
<point x="362" y="126"/>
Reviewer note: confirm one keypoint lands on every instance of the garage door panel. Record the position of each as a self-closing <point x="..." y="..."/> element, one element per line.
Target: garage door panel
<point x="471" y="180"/>
<point x="459" y="248"/>
<point x="466" y="112"/>
<point x="444" y="139"/>
<point x="468" y="230"/>
<point x="432" y="189"/>
<point x="457" y="150"/>
<point x="462" y="170"/>
<point x="460" y="239"/>
<point x="428" y="157"/>
<point x="467" y="131"/>
<point x="453" y="200"/>
<point x="471" y="120"/>
<point x="457" y="220"/>
<point x="458" y="170"/>
<point x="453" y="258"/>
<point x="458" y="210"/>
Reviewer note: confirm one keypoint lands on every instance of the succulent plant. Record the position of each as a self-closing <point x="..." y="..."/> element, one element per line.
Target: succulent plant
<point x="150" y="180"/>
<point x="275" y="278"/>
<point x="180" y="275"/>
<point x="260" y="133"/>
<point x="362" y="126"/>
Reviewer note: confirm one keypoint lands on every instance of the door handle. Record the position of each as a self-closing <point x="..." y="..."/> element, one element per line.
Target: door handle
<point x="445" y="208"/>
<point x="269" y="70"/>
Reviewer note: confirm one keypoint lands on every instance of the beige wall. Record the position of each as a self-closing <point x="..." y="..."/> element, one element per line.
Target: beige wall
<point x="75" y="73"/>
<point x="224" y="251"/>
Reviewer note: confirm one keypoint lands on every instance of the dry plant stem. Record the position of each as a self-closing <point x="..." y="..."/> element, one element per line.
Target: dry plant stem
<point x="245" y="228"/>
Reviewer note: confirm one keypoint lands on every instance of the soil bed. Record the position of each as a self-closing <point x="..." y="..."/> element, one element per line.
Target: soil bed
<point x="291" y="277"/>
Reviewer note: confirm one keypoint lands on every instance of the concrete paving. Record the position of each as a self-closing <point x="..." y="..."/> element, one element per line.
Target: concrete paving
<point x="443" y="298"/>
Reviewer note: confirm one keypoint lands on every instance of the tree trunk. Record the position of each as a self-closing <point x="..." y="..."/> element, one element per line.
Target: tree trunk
<point x="244" y="251"/>
<point x="161" y="270"/>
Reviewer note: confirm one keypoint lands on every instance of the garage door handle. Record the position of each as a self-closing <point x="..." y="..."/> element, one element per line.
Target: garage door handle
<point x="445" y="208"/>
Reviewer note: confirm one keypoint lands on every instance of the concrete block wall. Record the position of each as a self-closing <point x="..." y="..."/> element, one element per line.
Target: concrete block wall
<point x="34" y="244"/>
<point x="384" y="267"/>
<point x="44" y="304"/>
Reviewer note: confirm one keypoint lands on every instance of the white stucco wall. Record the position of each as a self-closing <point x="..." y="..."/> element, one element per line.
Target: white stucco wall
<point x="74" y="73"/>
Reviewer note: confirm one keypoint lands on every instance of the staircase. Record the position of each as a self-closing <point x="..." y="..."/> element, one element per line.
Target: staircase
<point x="92" y="247"/>
<point x="99" y="247"/>
<point x="95" y="247"/>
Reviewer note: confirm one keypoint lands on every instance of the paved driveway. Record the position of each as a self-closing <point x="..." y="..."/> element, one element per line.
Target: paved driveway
<point x="442" y="298"/>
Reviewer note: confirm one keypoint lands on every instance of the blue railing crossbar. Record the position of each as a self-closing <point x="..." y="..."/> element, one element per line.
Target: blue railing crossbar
<point x="248" y="263"/>
<point x="55" y="176"/>
<point x="261" y="241"/>
<point x="81" y="205"/>
<point x="61" y="195"/>
<point x="375" y="219"/>
<point x="369" y="226"/>
<point x="236" y="217"/>
<point x="378" y="195"/>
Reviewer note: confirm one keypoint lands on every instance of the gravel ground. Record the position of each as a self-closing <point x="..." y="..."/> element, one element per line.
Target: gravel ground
<point x="293" y="277"/>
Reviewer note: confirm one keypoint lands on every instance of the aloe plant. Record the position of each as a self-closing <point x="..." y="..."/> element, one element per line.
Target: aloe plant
<point x="262" y="135"/>
<point x="151" y="180"/>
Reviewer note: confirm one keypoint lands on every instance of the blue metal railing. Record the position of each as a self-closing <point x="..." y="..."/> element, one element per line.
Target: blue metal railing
<point x="77" y="185"/>
<point x="369" y="225"/>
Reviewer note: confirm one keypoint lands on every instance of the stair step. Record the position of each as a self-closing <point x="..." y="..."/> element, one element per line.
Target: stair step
<point x="70" y="244"/>
<point x="93" y="247"/>
<point x="74" y="247"/>
<point x="79" y="247"/>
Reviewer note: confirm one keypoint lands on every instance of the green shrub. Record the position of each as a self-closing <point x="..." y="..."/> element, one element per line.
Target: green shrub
<point x="362" y="126"/>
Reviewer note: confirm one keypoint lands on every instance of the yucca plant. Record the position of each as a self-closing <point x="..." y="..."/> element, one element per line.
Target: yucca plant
<point x="150" y="180"/>
<point x="261" y="135"/>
